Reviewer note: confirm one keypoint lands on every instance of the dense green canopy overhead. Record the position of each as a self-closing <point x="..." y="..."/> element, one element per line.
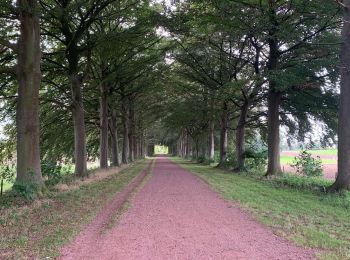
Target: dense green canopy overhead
<point x="199" y="76"/>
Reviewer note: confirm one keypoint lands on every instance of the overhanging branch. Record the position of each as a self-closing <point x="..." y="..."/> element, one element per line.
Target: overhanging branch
<point x="8" y="44"/>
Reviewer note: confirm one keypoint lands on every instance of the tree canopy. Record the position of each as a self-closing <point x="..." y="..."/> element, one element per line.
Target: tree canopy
<point x="90" y="80"/>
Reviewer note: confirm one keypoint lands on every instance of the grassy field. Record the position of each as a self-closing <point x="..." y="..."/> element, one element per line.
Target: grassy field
<point x="290" y="160"/>
<point x="287" y="159"/>
<point x="319" y="151"/>
<point x="39" y="229"/>
<point x="324" y="151"/>
<point x="308" y="218"/>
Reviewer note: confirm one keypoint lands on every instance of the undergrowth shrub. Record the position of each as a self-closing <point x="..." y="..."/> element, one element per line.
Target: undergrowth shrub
<point x="7" y="173"/>
<point x="301" y="183"/>
<point x="231" y="160"/>
<point x="54" y="172"/>
<point x="26" y="190"/>
<point x="306" y="165"/>
<point x="255" y="160"/>
<point x="201" y="159"/>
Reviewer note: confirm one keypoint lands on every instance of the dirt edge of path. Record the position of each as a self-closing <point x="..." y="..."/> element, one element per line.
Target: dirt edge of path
<point x="100" y="222"/>
<point x="97" y="175"/>
<point x="125" y="206"/>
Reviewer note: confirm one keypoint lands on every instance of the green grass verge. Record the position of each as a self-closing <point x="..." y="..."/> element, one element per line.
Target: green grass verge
<point x="67" y="175"/>
<point x="40" y="229"/>
<point x="307" y="217"/>
<point x="290" y="160"/>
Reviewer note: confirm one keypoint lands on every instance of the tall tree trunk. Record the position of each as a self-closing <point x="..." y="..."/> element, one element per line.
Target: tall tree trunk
<point x="150" y="149"/>
<point x="190" y="146"/>
<point x="343" y="178"/>
<point x="179" y="147"/>
<point x="80" y="157"/>
<point x="274" y="97"/>
<point x="224" y="135"/>
<point x="188" y="151"/>
<point x="104" y="127"/>
<point x="139" y="147"/>
<point x="125" y="111"/>
<point x="183" y="150"/>
<point x="132" y="133"/>
<point x="136" y="146"/>
<point x="183" y="145"/>
<point x="204" y="148"/>
<point x="72" y="55"/>
<point x="29" y="79"/>
<point x="142" y="148"/>
<point x="131" y="146"/>
<point x="196" y="148"/>
<point x="211" y="141"/>
<point x="240" y="137"/>
<point x="273" y="139"/>
<point x="114" y="138"/>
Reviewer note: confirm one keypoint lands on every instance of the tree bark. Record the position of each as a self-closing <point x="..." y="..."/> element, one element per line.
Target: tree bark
<point x="274" y="98"/>
<point x="273" y="139"/>
<point x="125" y="116"/>
<point x="150" y="149"/>
<point x="343" y="178"/>
<point x="184" y="145"/>
<point x="142" y="148"/>
<point x="136" y="147"/>
<point x="104" y="127"/>
<point x="80" y="156"/>
<point x="131" y="133"/>
<point x="29" y="79"/>
<point x="72" y="55"/>
<point x="204" y="147"/>
<point x="179" y="147"/>
<point x="240" y="137"/>
<point x="188" y="149"/>
<point x="196" y="146"/>
<point x="224" y="135"/>
<point x="182" y="148"/>
<point x="114" y="138"/>
<point x="211" y="141"/>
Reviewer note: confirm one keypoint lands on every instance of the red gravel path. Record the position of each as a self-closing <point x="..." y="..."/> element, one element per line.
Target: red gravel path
<point x="176" y="216"/>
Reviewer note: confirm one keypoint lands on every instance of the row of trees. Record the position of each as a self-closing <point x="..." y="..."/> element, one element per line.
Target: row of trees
<point x="87" y="69"/>
<point x="77" y="73"/>
<point x="253" y="66"/>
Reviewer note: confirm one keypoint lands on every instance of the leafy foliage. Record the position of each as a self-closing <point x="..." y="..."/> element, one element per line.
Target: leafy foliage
<point x="167" y="70"/>
<point x="7" y="173"/>
<point x="54" y="172"/>
<point x="307" y="165"/>
<point x="256" y="160"/>
<point x="27" y="190"/>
